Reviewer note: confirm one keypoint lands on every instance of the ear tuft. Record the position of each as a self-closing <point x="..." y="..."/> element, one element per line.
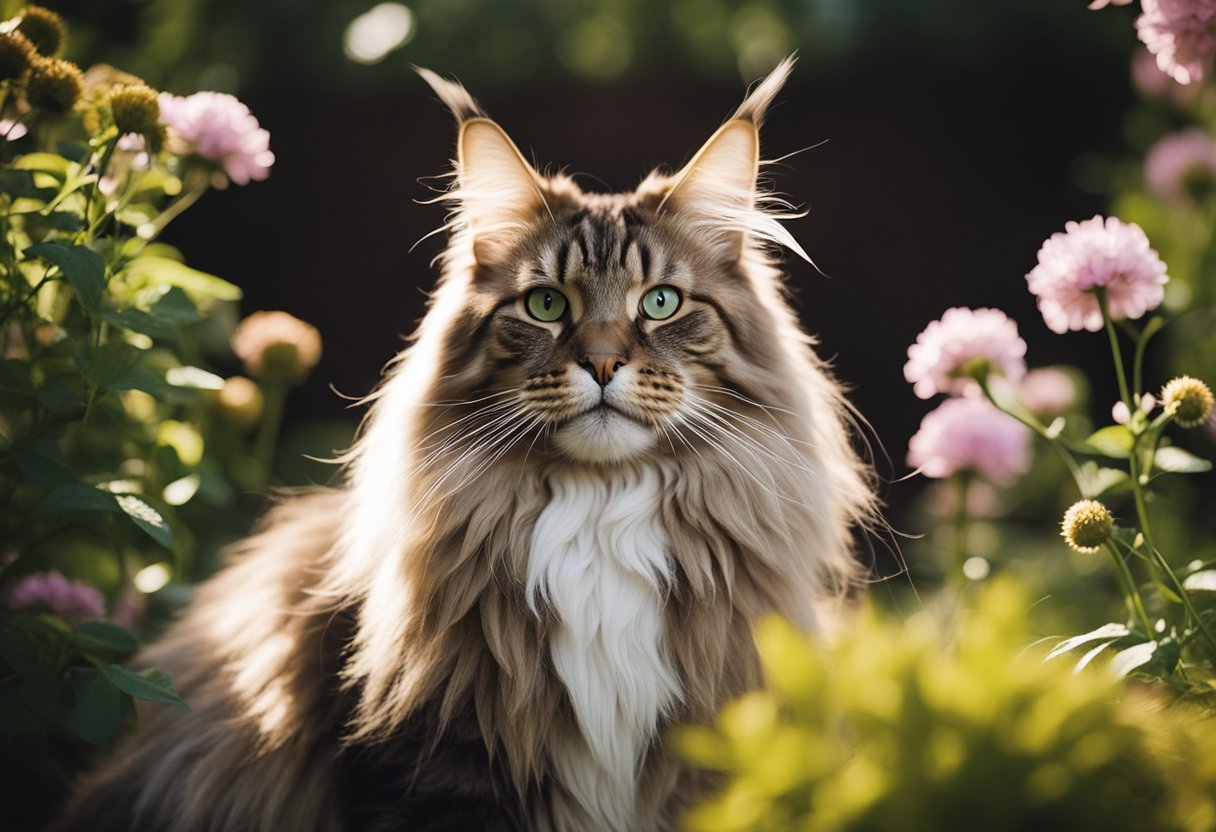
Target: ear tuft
<point x="758" y="100"/>
<point x="452" y="94"/>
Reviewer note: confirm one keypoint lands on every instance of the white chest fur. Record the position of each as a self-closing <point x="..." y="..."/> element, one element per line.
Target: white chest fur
<point x="599" y="559"/>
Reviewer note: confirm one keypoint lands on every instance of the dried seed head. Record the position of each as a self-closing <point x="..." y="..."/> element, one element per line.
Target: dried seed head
<point x="1188" y="400"/>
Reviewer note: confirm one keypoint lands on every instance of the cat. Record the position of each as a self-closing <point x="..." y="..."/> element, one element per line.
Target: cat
<point x="608" y="451"/>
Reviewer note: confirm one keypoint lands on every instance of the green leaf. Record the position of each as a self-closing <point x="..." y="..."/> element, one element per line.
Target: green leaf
<point x="138" y="378"/>
<point x="41" y="461"/>
<point x="175" y="307"/>
<point x="147" y="518"/>
<point x="1175" y="460"/>
<point x="51" y="163"/>
<point x="106" y="636"/>
<point x="1115" y="441"/>
<point x="20" y="184"/>
<point x="1099" y="481"/>
<point x="165" y="271"/>
<point x="17" y="647"/>
<point x="62" y="395"/>
<point x="99" y="708"/>
<point x="75" y="496"/>
<point x="1125" y="661"/>
<point x="151" y="685"/>
<point x="81" y="266"/>
<point x="15" y="384"/>
<point x="1106" y="631"/>
<point x="138" y="320"/>
<point x="194" y="378"/>
<point x="1204" y="581"/>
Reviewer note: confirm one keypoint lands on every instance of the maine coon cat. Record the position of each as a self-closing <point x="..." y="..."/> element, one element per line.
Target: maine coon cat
<point x="607" y="452"/>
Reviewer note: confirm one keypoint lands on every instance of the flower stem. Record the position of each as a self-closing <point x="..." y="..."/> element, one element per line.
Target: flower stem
<point x="1133" y="463"/>
<point x="1124" y="393"/>
<point x="1035" y="425"/>
<point x="275" y="396"/>
<point x="1129" y="588"/>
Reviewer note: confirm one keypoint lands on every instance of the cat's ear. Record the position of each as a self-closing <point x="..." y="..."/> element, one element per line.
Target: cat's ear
<point x="716" y="192"/>
<point x="498" y="192"/>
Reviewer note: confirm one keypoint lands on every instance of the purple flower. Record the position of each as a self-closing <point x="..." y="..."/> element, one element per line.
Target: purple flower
<point x="1182" y="34"/>
<point x="970" y="434"/>
<point x="1178" y="161"/>
<point x="1107" y="253"/>
<point x="964" y="340"/>
<point x="50" y="590"/>
<point x="219" y="128"/>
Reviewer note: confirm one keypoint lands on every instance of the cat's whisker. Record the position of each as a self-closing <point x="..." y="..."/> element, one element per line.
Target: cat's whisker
<point x="745" y="439"/>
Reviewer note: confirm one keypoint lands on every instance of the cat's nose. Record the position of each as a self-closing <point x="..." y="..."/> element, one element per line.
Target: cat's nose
<point x="602" y="365"/>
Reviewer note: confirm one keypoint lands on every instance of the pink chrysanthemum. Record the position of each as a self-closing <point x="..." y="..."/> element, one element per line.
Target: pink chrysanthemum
<point x="970" y="434"/>
<point x="52" y="591"/>
<point x="948" y="349"/>
<point x="1096" y="253"/>
<point x="219" y="128"/>
<point x="1180" y="162"/>
<point x="1182" y="34"/>
<point x="1047" y="391"/>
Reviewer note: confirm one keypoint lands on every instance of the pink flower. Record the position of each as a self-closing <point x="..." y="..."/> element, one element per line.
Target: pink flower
<point x="1178" y="161"/>
<point x="1108" y="253"/>
<point x="970" y="434"/>
<point x="938" y="361"/>
<point x="1047" y="391"/>
<point x="50" y="590"/>
<point x="1102" y="4"/>
<point x="220" y="129"/>
<point x="1152" y="83"/>
<point x="1122" y="415"/>
<point x="1182" y="34"/>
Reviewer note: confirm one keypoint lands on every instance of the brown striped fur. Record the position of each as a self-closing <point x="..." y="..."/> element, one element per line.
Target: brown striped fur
<point x="370" y="659"/>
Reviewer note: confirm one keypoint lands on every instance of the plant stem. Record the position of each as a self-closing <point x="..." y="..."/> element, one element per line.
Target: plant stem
<point x="1124" y="393"/>
<point x="1129" y="587"/>
<point x="275" y="395"/>
<point x="1133" y="463"/>
<point x="1036" y="426"/>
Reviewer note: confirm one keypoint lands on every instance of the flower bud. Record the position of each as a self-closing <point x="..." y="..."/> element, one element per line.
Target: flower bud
<point x="16" y="55"/>
<point x="135" y="109"/>
<point x="276" y="345"/>
<point x="54" y="85"/>
<point x="44" y="29"/>
<point x="1188" y="400"/>
<point x="240" y="402"/>
<point x="1087" y="526"/>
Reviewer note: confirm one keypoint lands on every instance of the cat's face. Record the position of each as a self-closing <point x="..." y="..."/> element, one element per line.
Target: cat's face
<point x="604" y="327"/>
<point x="611" y="329"/>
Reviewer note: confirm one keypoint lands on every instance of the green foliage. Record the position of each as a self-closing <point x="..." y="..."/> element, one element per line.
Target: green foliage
<point x="891" y="728"/>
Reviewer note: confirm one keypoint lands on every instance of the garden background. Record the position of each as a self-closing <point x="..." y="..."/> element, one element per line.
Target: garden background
<point x="935" y="146"/>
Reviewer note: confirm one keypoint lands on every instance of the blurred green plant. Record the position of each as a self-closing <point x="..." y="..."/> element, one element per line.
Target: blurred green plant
<point x="900" y="726"/>
<point x="116" y="438"/>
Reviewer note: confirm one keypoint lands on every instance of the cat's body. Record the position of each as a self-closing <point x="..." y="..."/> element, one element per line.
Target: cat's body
<point x="609" y="451"/>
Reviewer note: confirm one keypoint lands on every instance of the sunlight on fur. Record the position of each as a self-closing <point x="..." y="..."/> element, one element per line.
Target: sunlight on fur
<point x="608" y="451"/>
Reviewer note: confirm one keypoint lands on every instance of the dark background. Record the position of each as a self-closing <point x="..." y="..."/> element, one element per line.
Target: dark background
<point x="950" y="138"/>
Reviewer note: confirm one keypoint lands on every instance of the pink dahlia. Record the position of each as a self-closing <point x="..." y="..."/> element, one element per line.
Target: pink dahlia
<point x="1182" y="34"/>
<point x="948" y="350"/>
<point x="1180" y="161"/>
<point x="970" y="434"/>
<point x="50" y="590"/>
<point x="219" y="128"/>
<point x="1107" y="253"/>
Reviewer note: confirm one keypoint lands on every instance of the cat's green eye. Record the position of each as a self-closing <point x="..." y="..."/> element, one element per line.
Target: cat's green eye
<point x="545" y="304"/>
<point x="661" y="302"/>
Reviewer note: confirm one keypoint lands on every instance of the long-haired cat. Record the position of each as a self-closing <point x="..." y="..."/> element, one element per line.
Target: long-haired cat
<point x="607" y="452"/>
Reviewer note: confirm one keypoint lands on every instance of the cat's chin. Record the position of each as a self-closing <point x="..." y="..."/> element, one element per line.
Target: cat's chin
<point x="604" y="436"/>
